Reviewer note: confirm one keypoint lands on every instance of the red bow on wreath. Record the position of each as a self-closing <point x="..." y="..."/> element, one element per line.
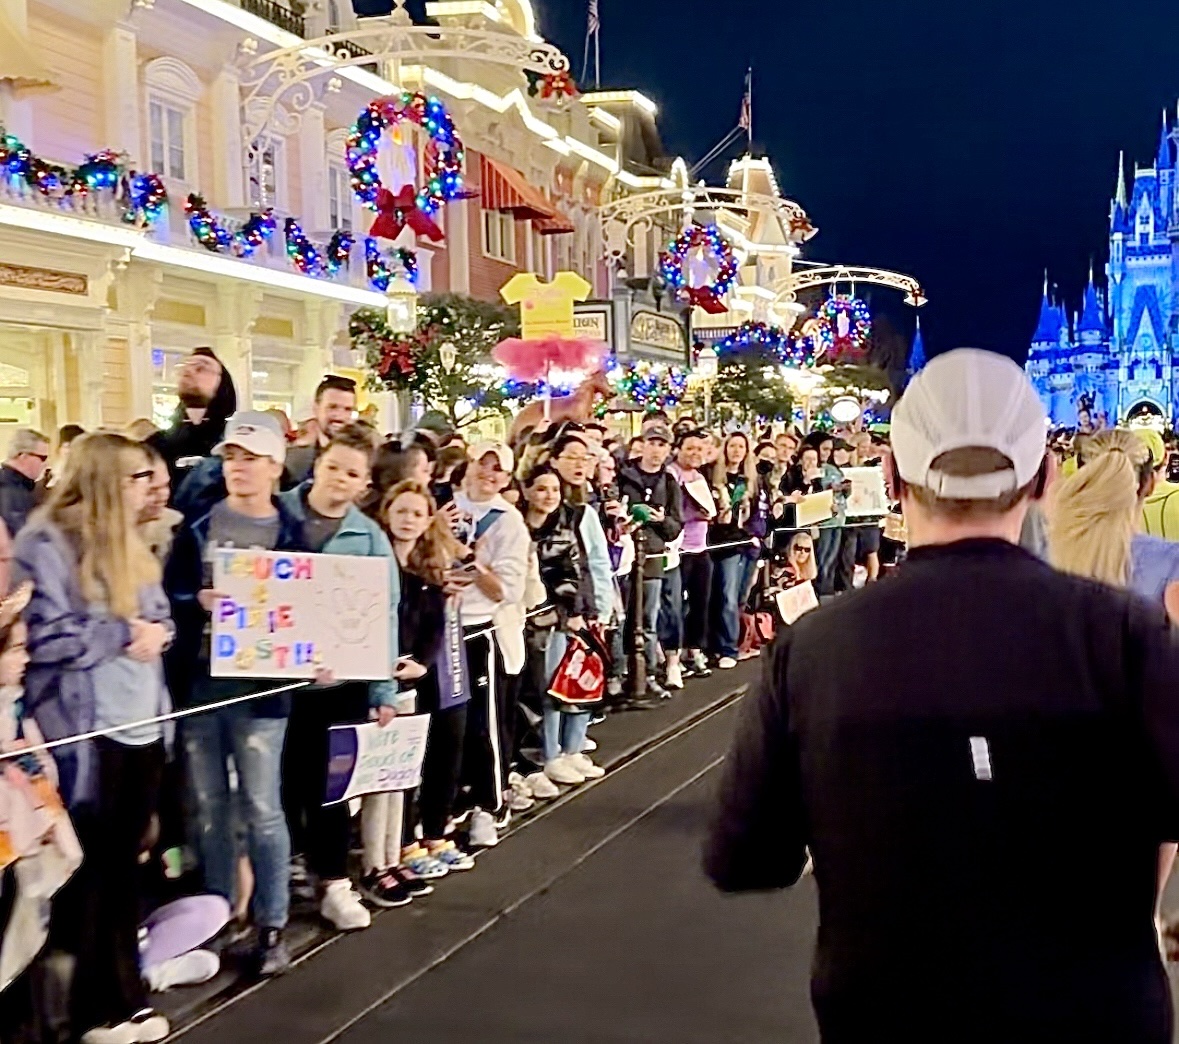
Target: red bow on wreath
<point x="704" y="297"/>
<point x="558" y="84"/>
<point x="395" y="212"/>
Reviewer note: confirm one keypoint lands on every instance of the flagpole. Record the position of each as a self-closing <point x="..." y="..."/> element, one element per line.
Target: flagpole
<point x="598" y="59"/>
<point x="749" y="129"/>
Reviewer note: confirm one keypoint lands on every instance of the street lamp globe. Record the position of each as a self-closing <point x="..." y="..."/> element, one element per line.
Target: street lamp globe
<point x="845" y="410"/>
<point x="401" y="306"/>
<point x="447" y="356"/>
<point x="706" y="363"/>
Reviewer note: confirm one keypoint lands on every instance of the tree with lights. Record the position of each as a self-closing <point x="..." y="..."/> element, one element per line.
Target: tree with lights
<point x="446" y="362"/>
<point x="748" y="389"/>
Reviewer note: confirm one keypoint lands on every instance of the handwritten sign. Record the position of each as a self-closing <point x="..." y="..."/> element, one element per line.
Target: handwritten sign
<point x="288" y="614"/>
<point x="868" y="497"/>
<point x="796" y="600"/>
<point x="368" y="759"/>
<point x="815" y="507"/>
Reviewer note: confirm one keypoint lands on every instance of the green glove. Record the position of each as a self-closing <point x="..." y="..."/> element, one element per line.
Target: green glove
<point x="739" y="492"/>
<point x="640" y="513"/>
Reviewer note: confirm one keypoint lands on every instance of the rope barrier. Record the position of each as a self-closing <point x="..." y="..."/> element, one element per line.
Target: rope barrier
<point x="204" y="708"/>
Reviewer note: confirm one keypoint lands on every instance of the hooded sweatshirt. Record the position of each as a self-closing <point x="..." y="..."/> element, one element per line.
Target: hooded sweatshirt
<point x="186" y="442"/>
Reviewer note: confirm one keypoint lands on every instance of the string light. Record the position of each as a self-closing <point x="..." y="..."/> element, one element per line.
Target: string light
<point x="766" y="339"/>
<point x="213" y="236"/>
<point x="381" y="273"/>
<point x="652" y="386"/>
<point x="312" y="262"/>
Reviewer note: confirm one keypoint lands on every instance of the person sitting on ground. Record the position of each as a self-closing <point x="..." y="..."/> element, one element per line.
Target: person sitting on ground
<point x="335" y="406"/>
<point x="28" y="452"/>
<point x="985" y="715"/>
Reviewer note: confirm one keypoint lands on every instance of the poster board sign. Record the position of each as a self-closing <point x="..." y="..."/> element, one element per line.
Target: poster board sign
<point x="868" y="497"/>
<point x="796" y="600"/>
<point x="368" y="759"/>
<point x="287" y="614"/>
<point x="815" y="507"/>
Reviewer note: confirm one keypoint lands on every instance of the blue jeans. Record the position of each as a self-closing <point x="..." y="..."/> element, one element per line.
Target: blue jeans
<point x="562" y="732"/>
<point x="255" y="744"/>
<point x="732" y="580"/>
<point x="652" y="597"/>
<point x="671" y="611"/>
<point x="827" y="557"/>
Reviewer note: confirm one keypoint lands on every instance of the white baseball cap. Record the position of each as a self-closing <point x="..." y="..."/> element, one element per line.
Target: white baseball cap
<point x="969" y="398"/>
<point x="502" y="453"/>
<point x="256" y="432"/>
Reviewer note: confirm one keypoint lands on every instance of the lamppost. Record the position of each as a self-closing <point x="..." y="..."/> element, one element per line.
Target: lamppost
<point x="707" y="368"/>
<point x="401" y="306"/>
<point x="805" y="382"/>
<point x="447" y="356"/>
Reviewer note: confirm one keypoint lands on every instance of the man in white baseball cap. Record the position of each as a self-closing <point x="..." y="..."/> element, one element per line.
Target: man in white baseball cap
<point x="983" y="775"/>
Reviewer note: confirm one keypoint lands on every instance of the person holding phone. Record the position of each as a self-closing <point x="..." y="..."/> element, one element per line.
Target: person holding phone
<point x="332" y="524"/>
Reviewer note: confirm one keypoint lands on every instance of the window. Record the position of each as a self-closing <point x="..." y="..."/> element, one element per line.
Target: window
<point x="339" y="199"/>
<point x="266" y="186"/>
<point x="499" y="235"/>
<point x="167" y="128"/>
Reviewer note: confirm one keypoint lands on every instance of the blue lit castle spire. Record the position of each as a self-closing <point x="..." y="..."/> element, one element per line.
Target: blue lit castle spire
<point x="917" y="357"/>
<point x="1116" y="358"/>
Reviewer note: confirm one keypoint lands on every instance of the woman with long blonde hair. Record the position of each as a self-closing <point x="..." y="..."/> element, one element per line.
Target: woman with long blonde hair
<point x="1095" y="524"/>
<point x="735" y="478"/>
<point x="98" y="624"/>
<point x="1094" y="530"/>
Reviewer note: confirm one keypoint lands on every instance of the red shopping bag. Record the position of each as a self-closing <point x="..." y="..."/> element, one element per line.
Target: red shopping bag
<point x="580" y="678"/>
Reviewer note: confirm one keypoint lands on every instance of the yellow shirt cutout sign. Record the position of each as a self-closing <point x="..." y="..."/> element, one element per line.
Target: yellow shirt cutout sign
<point x="546" y="309"/>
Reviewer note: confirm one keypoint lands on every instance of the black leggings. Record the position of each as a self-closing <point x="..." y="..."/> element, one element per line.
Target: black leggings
<point x="440" y="770"/>
<point x="696" y="574"/>
<point x="321" y="834"/>
<point x="491" y="719"/>
<point x="96" y="914"/>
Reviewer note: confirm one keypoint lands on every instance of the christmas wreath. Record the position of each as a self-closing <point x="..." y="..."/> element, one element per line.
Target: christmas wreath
<point x="700" y="246"/>
<point x="443" y="164"/>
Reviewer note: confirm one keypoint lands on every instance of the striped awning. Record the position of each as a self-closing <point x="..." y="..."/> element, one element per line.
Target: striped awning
<point x="504" y="188"/>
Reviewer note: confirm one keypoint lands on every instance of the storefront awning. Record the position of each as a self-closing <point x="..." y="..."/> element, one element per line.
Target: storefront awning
<point x="504" y="188"/>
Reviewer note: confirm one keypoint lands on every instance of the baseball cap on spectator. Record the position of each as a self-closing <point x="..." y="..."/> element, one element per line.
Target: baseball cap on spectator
<point x="504" y="455"/>
<point x="658" y="433"/>
<point x="257" y="433"/>
<point x="1153" y="441"/>
<point x="969" y="399"/>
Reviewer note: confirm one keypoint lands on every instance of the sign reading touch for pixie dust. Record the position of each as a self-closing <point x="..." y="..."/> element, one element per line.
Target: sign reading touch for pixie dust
<point x="288" y="614"/>
<point x="369" y="759"/>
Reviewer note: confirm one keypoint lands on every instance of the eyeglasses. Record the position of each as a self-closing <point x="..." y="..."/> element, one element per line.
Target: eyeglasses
<point x="42" y="457"/>
<point x="803" y="551"/>
<point x="574" y="461"/>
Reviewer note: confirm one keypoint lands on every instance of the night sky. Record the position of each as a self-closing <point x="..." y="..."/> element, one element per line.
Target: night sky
<point x="969" y="143"/>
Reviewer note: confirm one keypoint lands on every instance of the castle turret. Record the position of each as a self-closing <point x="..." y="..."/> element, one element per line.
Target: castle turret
<point x="1164" y="164"/>
<point x="916" y="354"/>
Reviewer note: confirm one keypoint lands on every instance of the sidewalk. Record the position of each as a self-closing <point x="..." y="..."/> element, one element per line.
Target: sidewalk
<point x="621" y="738"/>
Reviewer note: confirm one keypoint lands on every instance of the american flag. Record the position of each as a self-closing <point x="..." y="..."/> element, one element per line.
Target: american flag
<point x="745" y="120"/>
<point x="595" y="20"/>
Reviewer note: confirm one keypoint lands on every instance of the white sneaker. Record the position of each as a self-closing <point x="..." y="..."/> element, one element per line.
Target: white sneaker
<point x="562" y="770"/>
<point x="543" y="788"/>
<point x="144" y="1027"/>
<point x="589" y="746"/>
<point x="586" y="767"/>
<point x="726" y="663"/>
<point x="518" y="795"/>
<point x="675" y="676"/>
<point x="482" y="832"/>
<point x="188" y="969"/>
<point x="342" y="906"/>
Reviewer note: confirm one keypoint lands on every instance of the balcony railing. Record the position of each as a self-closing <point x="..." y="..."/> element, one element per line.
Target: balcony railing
<point x="276" y="14"/>
<point x="353" y="49"/>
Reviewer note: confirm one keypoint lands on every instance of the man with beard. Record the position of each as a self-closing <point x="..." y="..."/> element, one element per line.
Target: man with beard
<point x="335" y="407"/>
<point x="207" y="398"/>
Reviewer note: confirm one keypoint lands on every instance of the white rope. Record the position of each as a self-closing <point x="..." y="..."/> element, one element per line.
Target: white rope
<point x="204" y="708"/>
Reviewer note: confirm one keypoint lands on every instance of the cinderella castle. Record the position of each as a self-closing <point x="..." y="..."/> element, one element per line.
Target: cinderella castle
<point x="1119" y="357"/>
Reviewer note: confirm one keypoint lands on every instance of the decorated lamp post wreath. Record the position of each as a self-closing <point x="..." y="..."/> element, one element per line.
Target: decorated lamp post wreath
<point x="700" y="267"/>
<point x="844" y="326"/>
<point x="415" y="209"/>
